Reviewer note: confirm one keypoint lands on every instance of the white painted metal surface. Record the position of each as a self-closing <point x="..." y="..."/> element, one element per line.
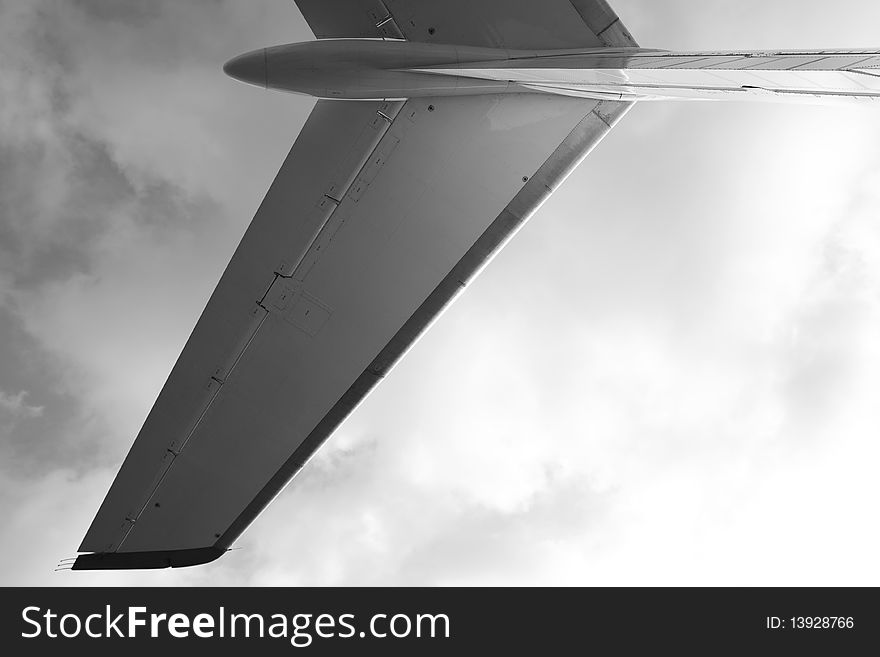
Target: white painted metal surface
<point x="640" y="75"/>
<point x="372" y="69"/>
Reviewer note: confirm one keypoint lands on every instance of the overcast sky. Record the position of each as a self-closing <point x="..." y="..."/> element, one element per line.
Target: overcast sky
<point x="670" y="376"/>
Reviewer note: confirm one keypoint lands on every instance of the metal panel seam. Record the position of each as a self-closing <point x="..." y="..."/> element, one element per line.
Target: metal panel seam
<point x="132" y="521"/>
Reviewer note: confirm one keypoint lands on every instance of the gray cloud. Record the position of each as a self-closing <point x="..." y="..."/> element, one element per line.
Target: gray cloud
<point x="15" y="405"/>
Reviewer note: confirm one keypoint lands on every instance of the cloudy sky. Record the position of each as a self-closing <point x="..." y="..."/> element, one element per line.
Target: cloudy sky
<point x="669" y="377"/>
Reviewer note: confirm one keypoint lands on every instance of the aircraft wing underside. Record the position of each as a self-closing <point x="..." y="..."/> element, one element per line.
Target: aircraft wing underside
<point x="380" y="215"/>
<point x="516" y="24"/>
